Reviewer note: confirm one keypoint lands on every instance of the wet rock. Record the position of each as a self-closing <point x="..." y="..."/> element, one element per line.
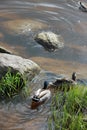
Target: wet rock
<point x="12" y="49"/>
<point x="4" y="50"/>
<point x="83" y="6"/>
<point x="49" y="40"/>
<point x="18" y="64"/>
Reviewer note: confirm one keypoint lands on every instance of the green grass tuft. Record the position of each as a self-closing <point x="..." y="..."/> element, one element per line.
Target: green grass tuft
<point x="68" y="109"/>
<point x="11" y="84"/>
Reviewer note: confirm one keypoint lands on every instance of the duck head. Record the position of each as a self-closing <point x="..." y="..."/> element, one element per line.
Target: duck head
<point x="45" y="84"/>
<point x="74" y="76"/>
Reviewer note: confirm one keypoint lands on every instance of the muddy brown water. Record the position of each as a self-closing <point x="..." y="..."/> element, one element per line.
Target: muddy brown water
<point x="20" y="20"/>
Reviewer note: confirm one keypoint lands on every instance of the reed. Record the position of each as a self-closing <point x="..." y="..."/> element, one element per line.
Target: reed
<point x="11" y="84"/>
<point x="68" y="109"/>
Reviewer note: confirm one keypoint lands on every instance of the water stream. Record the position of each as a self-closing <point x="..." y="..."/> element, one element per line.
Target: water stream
<point x="20" y="20"/>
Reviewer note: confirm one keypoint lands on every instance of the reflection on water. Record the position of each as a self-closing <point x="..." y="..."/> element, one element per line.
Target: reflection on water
<point x="62" y="17"/>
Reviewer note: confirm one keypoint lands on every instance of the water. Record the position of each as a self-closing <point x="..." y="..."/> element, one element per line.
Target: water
<point x="17" y="114"/>
<point x="20" y="20"/>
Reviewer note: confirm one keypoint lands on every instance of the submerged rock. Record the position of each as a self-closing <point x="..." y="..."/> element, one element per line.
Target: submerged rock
<point x="49" y="40"/>
<point x="26" y="67"/>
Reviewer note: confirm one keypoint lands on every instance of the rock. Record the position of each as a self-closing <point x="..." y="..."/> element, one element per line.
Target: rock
<point x="18" y="64"/>
<point x="49" y="40"/>
<point x="4" y="50"/>
<point x="10" y="49"/>
<point x="83" y="6"/>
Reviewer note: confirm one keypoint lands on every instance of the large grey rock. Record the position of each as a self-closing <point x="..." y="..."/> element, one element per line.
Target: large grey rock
<point x="49" y="40"/>
<point x="18" y="64"/>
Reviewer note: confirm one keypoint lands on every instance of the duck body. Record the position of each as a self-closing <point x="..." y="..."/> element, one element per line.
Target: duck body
<point x="40" y="96"/>
<point x="65" y="83"/>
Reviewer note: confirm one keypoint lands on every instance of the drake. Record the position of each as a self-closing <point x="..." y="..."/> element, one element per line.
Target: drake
<point x="41" y="95"/>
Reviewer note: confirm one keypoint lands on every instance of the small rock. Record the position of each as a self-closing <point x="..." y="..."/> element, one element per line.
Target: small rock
<point x="83" y="6"/>
<point x="49" y="40"/>
<point x="4" y="50"/>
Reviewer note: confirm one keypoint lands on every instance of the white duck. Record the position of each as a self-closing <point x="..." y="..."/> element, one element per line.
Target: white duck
<point x="41" y="95"/>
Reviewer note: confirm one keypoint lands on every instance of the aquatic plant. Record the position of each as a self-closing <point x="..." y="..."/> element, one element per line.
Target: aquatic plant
<point x="68" y="110"/>
<point x="11" y="84"/>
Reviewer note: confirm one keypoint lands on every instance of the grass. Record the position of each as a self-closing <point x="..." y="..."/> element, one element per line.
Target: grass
<point x="11" y="85"/>
<point x="69" y="109"/>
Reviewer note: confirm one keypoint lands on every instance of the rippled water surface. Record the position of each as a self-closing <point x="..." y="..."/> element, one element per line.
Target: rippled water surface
<point x="20" y="20"/>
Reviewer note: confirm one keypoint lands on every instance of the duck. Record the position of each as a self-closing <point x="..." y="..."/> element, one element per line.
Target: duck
<point x="83" y="6"/>
<point x="44" y="94"/>
<point x="67" y="81"/>
<point x="41" y="96"/>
